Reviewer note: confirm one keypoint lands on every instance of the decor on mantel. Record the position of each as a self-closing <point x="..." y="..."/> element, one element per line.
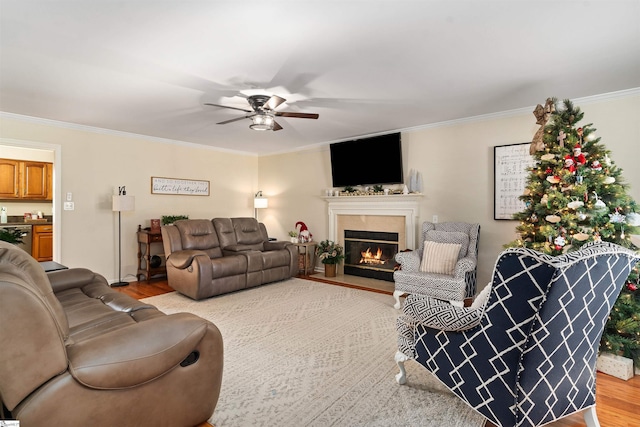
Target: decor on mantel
<point x="415" y="181"/>
<point x="330" y="254"/>
<point x="366" y="191"/>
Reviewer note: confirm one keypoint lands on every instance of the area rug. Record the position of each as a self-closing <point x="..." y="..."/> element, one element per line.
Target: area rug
<point x="304" y="353"/>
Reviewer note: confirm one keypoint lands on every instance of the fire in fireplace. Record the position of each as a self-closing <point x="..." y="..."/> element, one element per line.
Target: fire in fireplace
<point x="370" y="254"/>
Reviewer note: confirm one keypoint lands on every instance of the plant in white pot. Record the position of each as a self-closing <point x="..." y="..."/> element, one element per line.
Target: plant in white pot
<point x="330" y="254"/>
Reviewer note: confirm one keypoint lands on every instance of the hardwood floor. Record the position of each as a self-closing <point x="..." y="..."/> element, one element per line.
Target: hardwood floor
<point x="617" y="401"/>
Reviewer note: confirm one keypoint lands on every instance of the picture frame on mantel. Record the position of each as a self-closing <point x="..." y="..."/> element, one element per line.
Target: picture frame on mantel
<point x="182" y="187"/>
<point x="511" y="168"/>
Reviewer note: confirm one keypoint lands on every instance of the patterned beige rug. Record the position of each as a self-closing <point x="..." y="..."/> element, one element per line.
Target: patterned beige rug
<point x="303" y="353"/>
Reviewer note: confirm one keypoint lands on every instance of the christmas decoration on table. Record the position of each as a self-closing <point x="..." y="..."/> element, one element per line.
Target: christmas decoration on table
<point x="304" y="235"/>
<point x="578" y="193"/>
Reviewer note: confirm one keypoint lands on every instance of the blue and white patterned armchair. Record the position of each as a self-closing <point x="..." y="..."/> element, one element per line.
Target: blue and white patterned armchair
<point x="458" y="285"/>
<point x="526" y="355"/>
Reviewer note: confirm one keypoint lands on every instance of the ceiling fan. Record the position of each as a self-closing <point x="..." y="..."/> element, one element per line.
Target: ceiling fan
<point x="263" y="112"/>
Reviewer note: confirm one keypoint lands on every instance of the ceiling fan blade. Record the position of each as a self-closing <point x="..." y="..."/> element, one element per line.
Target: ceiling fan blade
<point x="276" y="126"/>
<point x="236" y="119"/>
<point x="226" y="106"/>
<point x="297" y="115"/>
<point x="273" y="102"/>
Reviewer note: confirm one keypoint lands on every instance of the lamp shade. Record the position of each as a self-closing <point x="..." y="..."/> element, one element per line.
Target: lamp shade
<point x="124" y="203"/>
<point x="260" y="202"/>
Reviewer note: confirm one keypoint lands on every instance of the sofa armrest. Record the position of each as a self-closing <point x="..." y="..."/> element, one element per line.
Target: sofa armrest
<point x="441" y="315"/>
<point x="183" y="259"/>
<point x="276" y="245"/>
<point x="234" y="249"/>
<point x="137" y="354"/>
<point x="463" y="266"/>
<point x="409" y="260"/>
<point x="74" y="278"/>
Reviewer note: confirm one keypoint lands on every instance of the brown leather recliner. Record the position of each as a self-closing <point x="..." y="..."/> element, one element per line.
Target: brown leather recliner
<point x="196" y="266"/>
<point x="74" y="352"/>
<point x="213" y="257"/>
<point x="268" y="261"/>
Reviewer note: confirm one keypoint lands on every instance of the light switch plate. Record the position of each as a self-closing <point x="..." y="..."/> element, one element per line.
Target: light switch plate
<point x="68" y="206"/>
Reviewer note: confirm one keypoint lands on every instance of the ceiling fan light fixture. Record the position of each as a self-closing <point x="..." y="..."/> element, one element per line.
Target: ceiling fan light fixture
<point x="262" y="122"/>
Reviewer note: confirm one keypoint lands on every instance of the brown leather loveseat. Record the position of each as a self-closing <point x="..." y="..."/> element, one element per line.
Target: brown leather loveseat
<point x="75" y="352"/>
<point x="213" y="257"/>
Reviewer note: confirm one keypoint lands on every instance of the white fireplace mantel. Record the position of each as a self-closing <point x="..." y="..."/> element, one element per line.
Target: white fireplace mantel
<point x="407" y="205"/>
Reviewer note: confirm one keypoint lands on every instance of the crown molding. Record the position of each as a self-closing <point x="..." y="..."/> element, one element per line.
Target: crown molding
<point x="322" y="145"/>
<point x="111" y="132"/>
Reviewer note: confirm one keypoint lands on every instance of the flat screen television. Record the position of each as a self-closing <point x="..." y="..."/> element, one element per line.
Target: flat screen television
<point x="368" y="161"/>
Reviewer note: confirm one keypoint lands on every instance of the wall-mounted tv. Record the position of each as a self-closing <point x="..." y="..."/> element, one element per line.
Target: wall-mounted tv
<point x="367" y="161"/>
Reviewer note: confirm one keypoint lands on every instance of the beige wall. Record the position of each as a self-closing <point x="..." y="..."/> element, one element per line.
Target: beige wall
<point x="94" y="165"/>
<point x="456" y="161"/>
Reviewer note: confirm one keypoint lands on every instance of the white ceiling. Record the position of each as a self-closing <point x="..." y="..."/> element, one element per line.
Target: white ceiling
<point x="367" y="67"/>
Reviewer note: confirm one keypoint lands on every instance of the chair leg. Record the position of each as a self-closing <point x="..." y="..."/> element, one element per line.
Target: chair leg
<point x="400" y="358"/>
<point x="590" y="417"/>
<point x="397" y="295"/>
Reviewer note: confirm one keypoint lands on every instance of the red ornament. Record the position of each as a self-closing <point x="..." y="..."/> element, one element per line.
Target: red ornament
<point x="632" y="287"/>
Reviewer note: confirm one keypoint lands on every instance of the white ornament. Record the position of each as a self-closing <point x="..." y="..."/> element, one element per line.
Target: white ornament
<point x="633" y="219"/>
<point x="616" y="218"/>
<point x="553" y="219"/>
<point x="609" y="180"/>
<point x="575" y="204"/>
<point x="600" y="205"/>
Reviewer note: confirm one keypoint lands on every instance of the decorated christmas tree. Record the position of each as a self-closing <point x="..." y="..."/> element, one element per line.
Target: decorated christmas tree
<point x="576" y="194"/>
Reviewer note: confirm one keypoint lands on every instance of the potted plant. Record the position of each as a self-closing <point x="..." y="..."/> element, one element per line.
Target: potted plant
<point x="294" y="236"/>
<point x="11" y="235"/>
<point x="170" y="219"/>
<point x="330" y="254"/>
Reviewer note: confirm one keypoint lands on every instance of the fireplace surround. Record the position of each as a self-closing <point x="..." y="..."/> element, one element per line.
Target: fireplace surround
<point x="397" y="213"/>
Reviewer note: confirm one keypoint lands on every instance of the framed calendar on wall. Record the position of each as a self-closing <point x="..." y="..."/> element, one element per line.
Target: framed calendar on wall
<point x="511" y="168"/>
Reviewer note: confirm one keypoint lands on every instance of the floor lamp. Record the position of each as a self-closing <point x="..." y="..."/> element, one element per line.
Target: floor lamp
<point x="259" y="202"/>
<point x="121" y="203"/>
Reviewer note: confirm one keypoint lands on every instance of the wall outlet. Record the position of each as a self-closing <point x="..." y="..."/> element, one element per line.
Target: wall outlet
<point x="434" y="219"/>
<point x="69" y="197"/>
<point x="68" y="206"/>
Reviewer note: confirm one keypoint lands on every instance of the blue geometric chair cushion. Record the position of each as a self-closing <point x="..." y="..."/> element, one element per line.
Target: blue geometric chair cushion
<point x="531" y="357"/>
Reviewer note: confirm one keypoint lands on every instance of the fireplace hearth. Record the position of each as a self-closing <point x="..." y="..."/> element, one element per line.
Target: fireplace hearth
<point x="370" y="254"/>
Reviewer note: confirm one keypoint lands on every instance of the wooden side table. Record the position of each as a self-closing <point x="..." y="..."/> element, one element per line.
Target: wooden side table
<point x="146" y="243"/>
<point x="306" y="257"/>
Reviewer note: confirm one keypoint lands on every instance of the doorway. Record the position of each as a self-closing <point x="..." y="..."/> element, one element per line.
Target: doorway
<point x="13" y="146"/>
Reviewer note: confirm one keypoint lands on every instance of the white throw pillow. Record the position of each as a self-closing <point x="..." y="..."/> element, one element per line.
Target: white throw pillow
<point x="439" y="258"/>
<point x="441" y="236"/>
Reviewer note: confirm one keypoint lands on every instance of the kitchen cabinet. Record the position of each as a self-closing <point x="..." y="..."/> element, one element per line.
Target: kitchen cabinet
<point x="42" y="242"/>
<point x="25" y="179"/>
<point x="9" y="179"/>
